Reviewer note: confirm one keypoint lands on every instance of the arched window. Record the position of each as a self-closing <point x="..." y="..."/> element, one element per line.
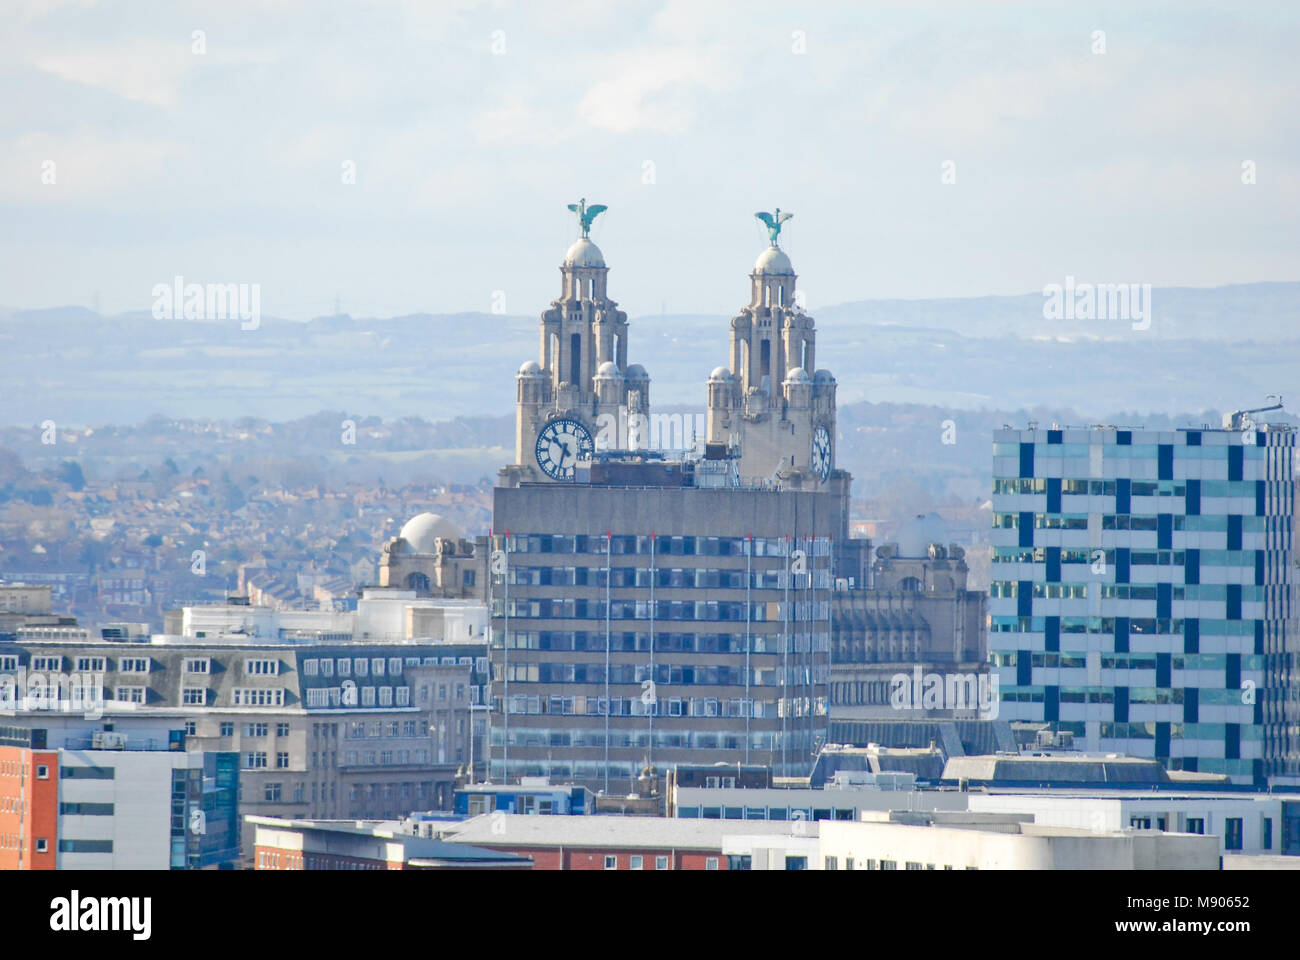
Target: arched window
<point x="910" y="585"/>
<point x="418" y="582"/>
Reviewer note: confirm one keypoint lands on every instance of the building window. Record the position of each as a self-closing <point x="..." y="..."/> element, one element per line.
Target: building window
<point x="1195" y="825"/>
<point x="1266" y="842"/>
<point x="191" y="728"/>
<point x="661" y="863"/>
<point x="281" y="729"/>
<point x="634" y="863"/>
<point x="611" y="863"/>
<point x="255" y="729"/>
<point x="262" y="668"/>
<point x="194" y="696"/>
<point x="258" y="697"/>
<point x="227" y="728"/>
<point x="832" y="863"/>
<point x="133" y="665"/>
<point x="796" y="863"/>
<point x="90" y="664"/>
<point x="48" y="664"/>
<point x="711" y="863"/>
<point x="282" y="761"/>
<point x="1232" y="833"/>
<point x="42" y="772"/>
<point x="197" y="665"/>
<point x="255" y="760"/>
<point x="42" y="845"/>
<point x="130" y="694"/>
<point x="85" y="846"/>
<point x="274" y="792"/>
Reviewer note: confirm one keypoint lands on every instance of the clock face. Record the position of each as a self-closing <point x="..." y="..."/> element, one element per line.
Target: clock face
<point x="821" y="452"/>
<point x="560" y="445"/>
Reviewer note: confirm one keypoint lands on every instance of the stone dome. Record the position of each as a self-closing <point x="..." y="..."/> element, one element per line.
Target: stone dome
<point x="915" y="536"/>
<point x="797" y="375"/>
<point x="823" y="376"/>
<point x="584" y="253"/>
<point x="773" y="261"/>
<point x="637" y="372"/>
<point x="530" y="368"/>
<point x="609" y="371"/>
<point x="423" y="530"/>
<point x="720" y="373"/>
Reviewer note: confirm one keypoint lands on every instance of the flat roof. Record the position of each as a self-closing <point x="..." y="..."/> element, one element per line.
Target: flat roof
<point x="523" y="830"/>
<point x="418" y="850"/>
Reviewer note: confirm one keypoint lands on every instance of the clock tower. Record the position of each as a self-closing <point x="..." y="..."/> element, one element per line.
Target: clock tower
<point x="771" y="405"/>
<point x="580" y="392"/>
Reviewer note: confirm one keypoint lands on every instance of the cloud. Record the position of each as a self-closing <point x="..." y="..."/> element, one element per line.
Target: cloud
<point x="657" y="90"/>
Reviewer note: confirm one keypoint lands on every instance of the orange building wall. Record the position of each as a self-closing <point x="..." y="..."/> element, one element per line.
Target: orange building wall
<point x="29" y="809"/>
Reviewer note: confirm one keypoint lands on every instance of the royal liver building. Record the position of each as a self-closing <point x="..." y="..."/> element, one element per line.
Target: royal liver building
<point x="652" y="607"/>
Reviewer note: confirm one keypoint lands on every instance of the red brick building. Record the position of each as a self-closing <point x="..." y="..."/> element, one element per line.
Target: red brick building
<point x="29" y="804"/>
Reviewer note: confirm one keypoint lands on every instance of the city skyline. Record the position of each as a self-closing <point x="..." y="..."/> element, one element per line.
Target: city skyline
<point x="659" y="436"/>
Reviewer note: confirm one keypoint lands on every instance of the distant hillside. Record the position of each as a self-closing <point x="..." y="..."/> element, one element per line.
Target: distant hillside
<point x="1223" y="347"/>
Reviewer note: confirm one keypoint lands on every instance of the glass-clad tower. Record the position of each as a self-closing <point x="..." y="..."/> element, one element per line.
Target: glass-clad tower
<point x="1140" y="595"/>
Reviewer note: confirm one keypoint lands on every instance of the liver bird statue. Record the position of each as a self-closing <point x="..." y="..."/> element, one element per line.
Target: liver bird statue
<point x="773" y="222"/>
<point x="586" y="214"/>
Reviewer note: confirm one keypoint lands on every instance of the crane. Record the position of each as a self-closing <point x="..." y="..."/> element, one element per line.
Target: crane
<point x="1238" y="419"/>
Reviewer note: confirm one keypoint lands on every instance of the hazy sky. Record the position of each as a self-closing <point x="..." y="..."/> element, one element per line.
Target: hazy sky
<point x="227" y="165"/>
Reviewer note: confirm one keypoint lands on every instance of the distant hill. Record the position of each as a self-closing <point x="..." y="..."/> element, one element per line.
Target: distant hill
<point x="1223" y="347"/>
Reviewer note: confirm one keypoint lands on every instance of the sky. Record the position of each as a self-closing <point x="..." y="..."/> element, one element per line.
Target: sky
<point x="1108" y="142"/>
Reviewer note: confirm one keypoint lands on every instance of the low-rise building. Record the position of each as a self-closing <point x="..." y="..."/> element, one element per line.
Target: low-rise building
<point x="107" y="807"/>
<point x="965" y="841"/>
<point x="532" y="795"/>
<point x="1242" y="823"/>
<point x="349" y="729"/>
<point x="620" y="843"/>
<point x="365" y="845"/>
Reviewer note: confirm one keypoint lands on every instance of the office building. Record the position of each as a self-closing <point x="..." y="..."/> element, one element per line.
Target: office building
<point x="624" y="843"/>
<point x="904" y="840"/>
<point x="1142" y="592"/>
<point x="105" y="804"/>
<point x="650" y="610"/>
<point x="324" y="730"/>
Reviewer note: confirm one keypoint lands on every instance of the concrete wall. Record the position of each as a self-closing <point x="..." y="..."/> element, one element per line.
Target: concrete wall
<point x="1032" y="849"/>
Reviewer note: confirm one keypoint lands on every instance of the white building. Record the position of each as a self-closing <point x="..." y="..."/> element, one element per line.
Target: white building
<point x="1245" y="823"/>
<point x="1004" y="842"/>
<point x="117" y="809"/>
<point x="383" y="614"/>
